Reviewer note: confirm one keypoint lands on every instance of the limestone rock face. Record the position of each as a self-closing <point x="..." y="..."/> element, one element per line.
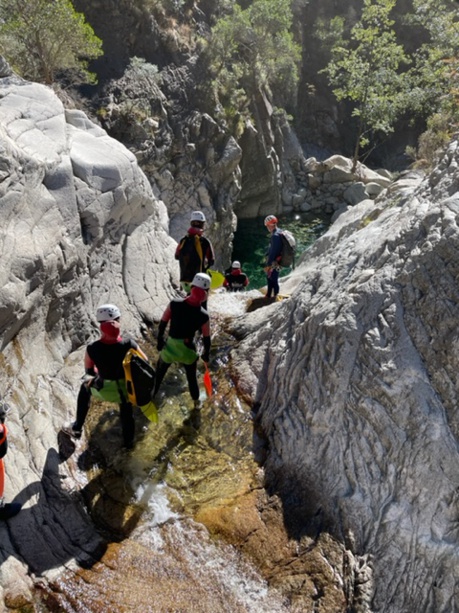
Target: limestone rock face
<point x="79" y="227"/>
<point x="355" y="380"/>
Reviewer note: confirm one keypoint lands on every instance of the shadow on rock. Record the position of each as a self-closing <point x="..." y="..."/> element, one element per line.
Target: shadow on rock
<point x="306" y="509"/>
<point x="109" y="494"/>
<point x="52" y="527"/>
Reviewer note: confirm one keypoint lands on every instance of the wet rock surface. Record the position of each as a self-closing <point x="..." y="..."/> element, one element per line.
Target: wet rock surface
<point x="191" y="489"/>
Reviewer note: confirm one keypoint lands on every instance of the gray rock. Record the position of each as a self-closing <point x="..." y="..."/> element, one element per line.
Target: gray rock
<point x="355" y="193"/>
<point x="79" y="227"/>
<point x="5" y="68"/>
<point x="355" y="380"/>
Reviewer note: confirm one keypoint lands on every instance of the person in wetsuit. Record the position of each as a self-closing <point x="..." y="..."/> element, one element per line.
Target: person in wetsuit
<point x="194" y="251"/>
<point x="235" y="279"/>
<point x="185" y="316"/>
<point x="273" y="256"/>
<point x="104" y="378"/>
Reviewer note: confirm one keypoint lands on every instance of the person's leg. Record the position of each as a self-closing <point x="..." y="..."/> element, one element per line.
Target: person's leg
<point x="192" y="378"/>
<point x="275" y="282"/>
<point x="270" y="287"/>
<point x="127" y="424"/>
<point x="161" y="370"/>
<point x="83" y="404"/>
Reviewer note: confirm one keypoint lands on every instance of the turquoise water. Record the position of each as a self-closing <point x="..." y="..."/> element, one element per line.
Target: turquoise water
<point x="251" y="241"/>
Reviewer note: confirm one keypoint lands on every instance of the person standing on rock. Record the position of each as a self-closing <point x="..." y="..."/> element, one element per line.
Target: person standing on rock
<point x="185" y="317"/>
<point x="194" y="252"/>
<point x="9" y="509"/>
<point x="235" y="279"/>
<point x="273" y="256"/>
<point x="104" y="378"/>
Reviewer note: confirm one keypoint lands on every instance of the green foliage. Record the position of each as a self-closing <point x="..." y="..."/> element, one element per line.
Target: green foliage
<point x="366" y="70"/>
<point x="140" y="78"/>
<point x="372" y="70"/>
<point x="432" y="142"/>
<point x="252" y="49"/>
<point x="433" y="79"/>
<point x="41" y="37"/>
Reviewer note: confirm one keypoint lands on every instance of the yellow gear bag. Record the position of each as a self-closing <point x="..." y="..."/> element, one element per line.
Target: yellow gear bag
<point x="140" y="382"/>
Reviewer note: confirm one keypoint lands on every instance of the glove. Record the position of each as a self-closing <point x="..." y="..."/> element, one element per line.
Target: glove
<point x="161" y="342"/>
<point x="93" y="381"/>
<point x="97" y="383"/>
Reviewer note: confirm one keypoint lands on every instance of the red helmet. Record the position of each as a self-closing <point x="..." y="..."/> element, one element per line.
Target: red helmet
<point x="271" y="220"/>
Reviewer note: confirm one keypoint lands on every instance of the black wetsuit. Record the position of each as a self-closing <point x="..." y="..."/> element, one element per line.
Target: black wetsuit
<point x="184" y="322"/>
<point x="108" y="358"/>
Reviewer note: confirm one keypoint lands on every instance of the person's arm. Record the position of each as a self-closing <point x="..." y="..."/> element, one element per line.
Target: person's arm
<point x="275" y="249"/>
<point x="3" y="441"/>
<point x="178" y="249"/>
<point x="89" y="365"/>
<point x="91" y="377"/>
<point x="209" y="254"/>
<point x="162" y="327"/>
<point x="205" y="329"/>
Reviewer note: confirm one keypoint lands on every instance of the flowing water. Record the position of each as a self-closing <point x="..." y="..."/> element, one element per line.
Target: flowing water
<point x="153" y="504"/>
<point x="188" y="524"/>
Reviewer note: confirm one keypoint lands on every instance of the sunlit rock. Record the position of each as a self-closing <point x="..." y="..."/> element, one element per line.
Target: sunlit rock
<point x="79" y="227"/>
<point x="355" y="381"/>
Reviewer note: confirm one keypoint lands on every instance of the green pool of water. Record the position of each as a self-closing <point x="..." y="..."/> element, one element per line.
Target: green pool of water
<point x="251" y="241"/>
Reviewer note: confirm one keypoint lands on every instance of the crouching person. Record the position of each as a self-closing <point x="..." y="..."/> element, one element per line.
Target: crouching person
<point x="105" y="377"/>
<point x="235" y="279"/>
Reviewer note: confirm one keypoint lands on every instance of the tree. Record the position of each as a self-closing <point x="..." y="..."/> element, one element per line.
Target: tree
<point x="366" y="70"/>
<point x="40" y="37"/>
<point x="253" y="50"/>
<point x="434" y="76"/>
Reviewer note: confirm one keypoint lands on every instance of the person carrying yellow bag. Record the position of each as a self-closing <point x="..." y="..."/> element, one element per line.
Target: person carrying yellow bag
<point x="194" y="251"/>
<point x="105" y="377"/>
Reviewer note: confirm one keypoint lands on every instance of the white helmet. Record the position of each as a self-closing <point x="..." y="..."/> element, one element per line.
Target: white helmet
<point x="197" y="216"/>
<point x="236" y="264"/>
<point x="107" y="312"/>
<point x="271" y="220"/>
<point x="201" y="280"/>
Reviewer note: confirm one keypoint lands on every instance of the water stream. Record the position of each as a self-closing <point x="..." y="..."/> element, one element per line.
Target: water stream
<point x="188" y="524"/>
<point x="153" y="504"/>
